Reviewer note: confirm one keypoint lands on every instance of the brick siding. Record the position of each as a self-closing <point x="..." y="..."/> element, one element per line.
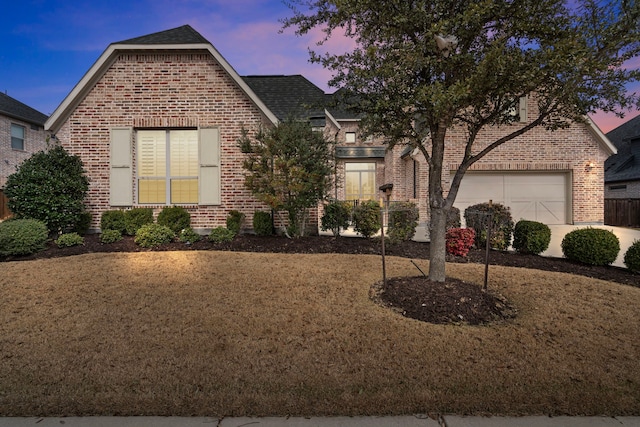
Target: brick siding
<point x="164" y="90"/>
<point x="10" y="159"/>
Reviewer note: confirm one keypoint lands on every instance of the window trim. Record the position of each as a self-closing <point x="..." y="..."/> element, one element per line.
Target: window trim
<point x="374" y="171"/>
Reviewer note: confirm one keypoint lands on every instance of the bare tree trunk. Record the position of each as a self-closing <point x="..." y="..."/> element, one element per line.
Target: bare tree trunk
<point x="438" y="224"/>
<point x="437" y="247"/>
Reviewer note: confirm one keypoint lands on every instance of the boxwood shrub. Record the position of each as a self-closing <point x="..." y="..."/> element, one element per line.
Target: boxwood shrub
<point x="336" y="216"/>
<point x="221" y="235"/>
<point x="136" y="218"/>
<point x="110" y="236"/>
<point x="152" y="235"/>
<point x="531" y="237"/>
<point x="632" y="257"/>
<point x="69" y="239"/>
<point x="476" y="217"/>
<point x="176" y="218"/>
<point x="113" y="220"/>
<point x="593" y="246"/>
<point x="22" y="236"/>
<point x="366" y="218"/>
<point x="188" y="236"/>
<point x="234" y="221"/>
<point x="403" y="220"/>
<point x="262" y="224"/>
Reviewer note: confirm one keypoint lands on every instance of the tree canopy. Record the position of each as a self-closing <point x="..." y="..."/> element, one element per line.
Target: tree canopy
<point x="421" y="67"/>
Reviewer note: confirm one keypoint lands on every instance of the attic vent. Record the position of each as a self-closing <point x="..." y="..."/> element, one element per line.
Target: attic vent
<point x="617" y="187"/>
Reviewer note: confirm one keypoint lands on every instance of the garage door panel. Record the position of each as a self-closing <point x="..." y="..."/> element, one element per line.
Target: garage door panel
<point x="536" y="197"/>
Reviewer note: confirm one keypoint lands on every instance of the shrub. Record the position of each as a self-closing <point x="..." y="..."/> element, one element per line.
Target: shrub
<point x="22" y="236"/>
<point x="453" y="218"/>
<point x="110" y="236"/>
<point x="136" y="218"/>
<point x="591" y="246"/>
<point x="175" y="217"/>
<point x="69" y="239"/>
<point x="82" y="226"/>
<point x="49" y="186"/>
<point x="460" y="241"/>
<point x="113" y="220"/>
<point x="221" y="234"/>
<point x="336" y="216"/>
<point x="151" y="235"/>
<point x="188" y="236"/>
<point x="366" y="218"/>
<point x="234" y="221"/>
<point x="531" y="237"/>
<point x="501" y="224"/>
<point x="403" y="220"/>
<point x="262" y="224"/>
<point x="632" y="257"/>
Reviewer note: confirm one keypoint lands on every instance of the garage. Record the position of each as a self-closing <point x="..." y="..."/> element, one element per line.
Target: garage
<point x="542" y="197"/>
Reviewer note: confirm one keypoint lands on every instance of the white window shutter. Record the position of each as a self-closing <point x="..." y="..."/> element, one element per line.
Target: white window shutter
<point x="209" y="182"/>
<point x="522" y="111"/>
<point x="120" y="179"/>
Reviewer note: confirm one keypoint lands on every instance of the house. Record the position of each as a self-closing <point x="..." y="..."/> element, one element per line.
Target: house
<point x="156" y="121"/>
<point x="551" y="177"/>
<point x="622" y="176"/>
<point x="21" y="134"/>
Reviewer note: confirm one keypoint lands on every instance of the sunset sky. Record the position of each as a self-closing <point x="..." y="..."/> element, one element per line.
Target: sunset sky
<point x="47" y="46"/>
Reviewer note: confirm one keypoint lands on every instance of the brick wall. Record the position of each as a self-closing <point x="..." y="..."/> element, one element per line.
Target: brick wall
<point x="568" y="150"/>
<point x="10" y="159"/>
<point x="164" y="90"/>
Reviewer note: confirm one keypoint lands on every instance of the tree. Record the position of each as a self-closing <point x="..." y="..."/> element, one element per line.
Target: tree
<point x="50" y="186"/>
<point x="288" y="168"/>
<point x="421" y="68"/>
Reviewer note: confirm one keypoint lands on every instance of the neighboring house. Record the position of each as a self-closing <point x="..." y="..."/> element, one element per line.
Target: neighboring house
<point x="21" y="134"/>
<point x="622" y="176"/>
<point x="156" y="121"/>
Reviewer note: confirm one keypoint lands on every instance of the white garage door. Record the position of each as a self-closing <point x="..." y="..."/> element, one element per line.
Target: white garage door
<point x="536" y="197"/>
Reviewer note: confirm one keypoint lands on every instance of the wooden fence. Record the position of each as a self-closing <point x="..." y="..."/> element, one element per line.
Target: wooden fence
<point x="4" y="206"/>
<point x="622" y="212"/>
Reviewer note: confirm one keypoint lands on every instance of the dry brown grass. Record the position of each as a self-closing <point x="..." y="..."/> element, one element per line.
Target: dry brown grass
<point x="213" y="333"/>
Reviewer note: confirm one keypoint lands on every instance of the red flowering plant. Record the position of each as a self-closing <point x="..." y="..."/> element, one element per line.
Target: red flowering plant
<point x="460" y="240"/>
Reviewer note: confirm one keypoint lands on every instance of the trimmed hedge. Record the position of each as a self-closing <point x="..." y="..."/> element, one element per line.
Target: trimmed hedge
<point x="366" y="218"/>
<point x="113" y="220"/>
<point x="234" y="221"/>
<point x="336" y="216"/>
<point x="632" y="257"/>
<point x="221" y="235"/>
<point x="136" y="218"/>
<point x="110" y="236"/>
<point x="531" y="237"/>
<point x="403" y="220"/>
<point x="69" y="239"/>
<point x="152" y="235"/>
<point x="593" y="246"/>
<point x="262" y="224"/>
<point x="176" y="218"/>
<point x="22" y="236"/>
<point x="476" y="217"/>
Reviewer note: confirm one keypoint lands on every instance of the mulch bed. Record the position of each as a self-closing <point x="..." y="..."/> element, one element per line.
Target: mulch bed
<point x="415" y="297"/>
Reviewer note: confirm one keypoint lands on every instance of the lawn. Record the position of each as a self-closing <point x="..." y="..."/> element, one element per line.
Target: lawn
<point x="233" y="333"/>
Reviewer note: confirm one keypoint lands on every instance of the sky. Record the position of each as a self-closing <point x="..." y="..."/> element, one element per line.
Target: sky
<point x="46" y="46"/>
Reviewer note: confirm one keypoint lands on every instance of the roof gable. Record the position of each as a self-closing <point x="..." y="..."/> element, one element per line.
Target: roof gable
<point x="15" y="109"/>
<point x="182" y="38"/>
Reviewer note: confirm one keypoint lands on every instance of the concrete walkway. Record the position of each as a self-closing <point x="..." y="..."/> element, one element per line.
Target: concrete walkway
<point x="399" y="421"/>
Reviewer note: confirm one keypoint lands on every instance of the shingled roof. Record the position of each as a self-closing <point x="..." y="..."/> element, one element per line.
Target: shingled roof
<point x="17" y="110"/>
<point x="625" y="165"/>
<point x="181" y="35"/>
<point x="290" y="97"/>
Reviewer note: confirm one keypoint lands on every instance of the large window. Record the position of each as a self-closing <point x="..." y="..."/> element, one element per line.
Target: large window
<point x="167" y="166"/>
<point x="360" y="180"/>
<point x="17" y="137"/>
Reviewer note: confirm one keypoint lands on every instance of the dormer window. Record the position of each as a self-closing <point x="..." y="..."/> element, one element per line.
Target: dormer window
<point x="350" y="137"/>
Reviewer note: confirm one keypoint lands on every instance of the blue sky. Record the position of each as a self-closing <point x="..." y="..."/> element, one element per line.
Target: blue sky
<point x="46" y="46"/>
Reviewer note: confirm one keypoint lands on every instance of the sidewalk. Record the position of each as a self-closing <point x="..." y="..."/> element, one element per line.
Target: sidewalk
<point x="399" y="421"/>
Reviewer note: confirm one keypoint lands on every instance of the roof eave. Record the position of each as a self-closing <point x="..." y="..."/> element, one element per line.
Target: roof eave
<point x="601" y="137"/>
<point x="59" y="116"/>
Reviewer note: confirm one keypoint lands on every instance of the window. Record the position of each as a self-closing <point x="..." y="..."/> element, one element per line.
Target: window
<point x="167" y="166"/>
<point x="360" y="179"/>
<point x="17" y="137"/>
<point x="617" y="187"/>
<point x="350" y="137"/>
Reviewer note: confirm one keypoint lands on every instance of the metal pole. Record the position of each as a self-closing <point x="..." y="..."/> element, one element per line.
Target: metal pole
<point x="384" y="269"/>
<point x="489" y="220"/>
